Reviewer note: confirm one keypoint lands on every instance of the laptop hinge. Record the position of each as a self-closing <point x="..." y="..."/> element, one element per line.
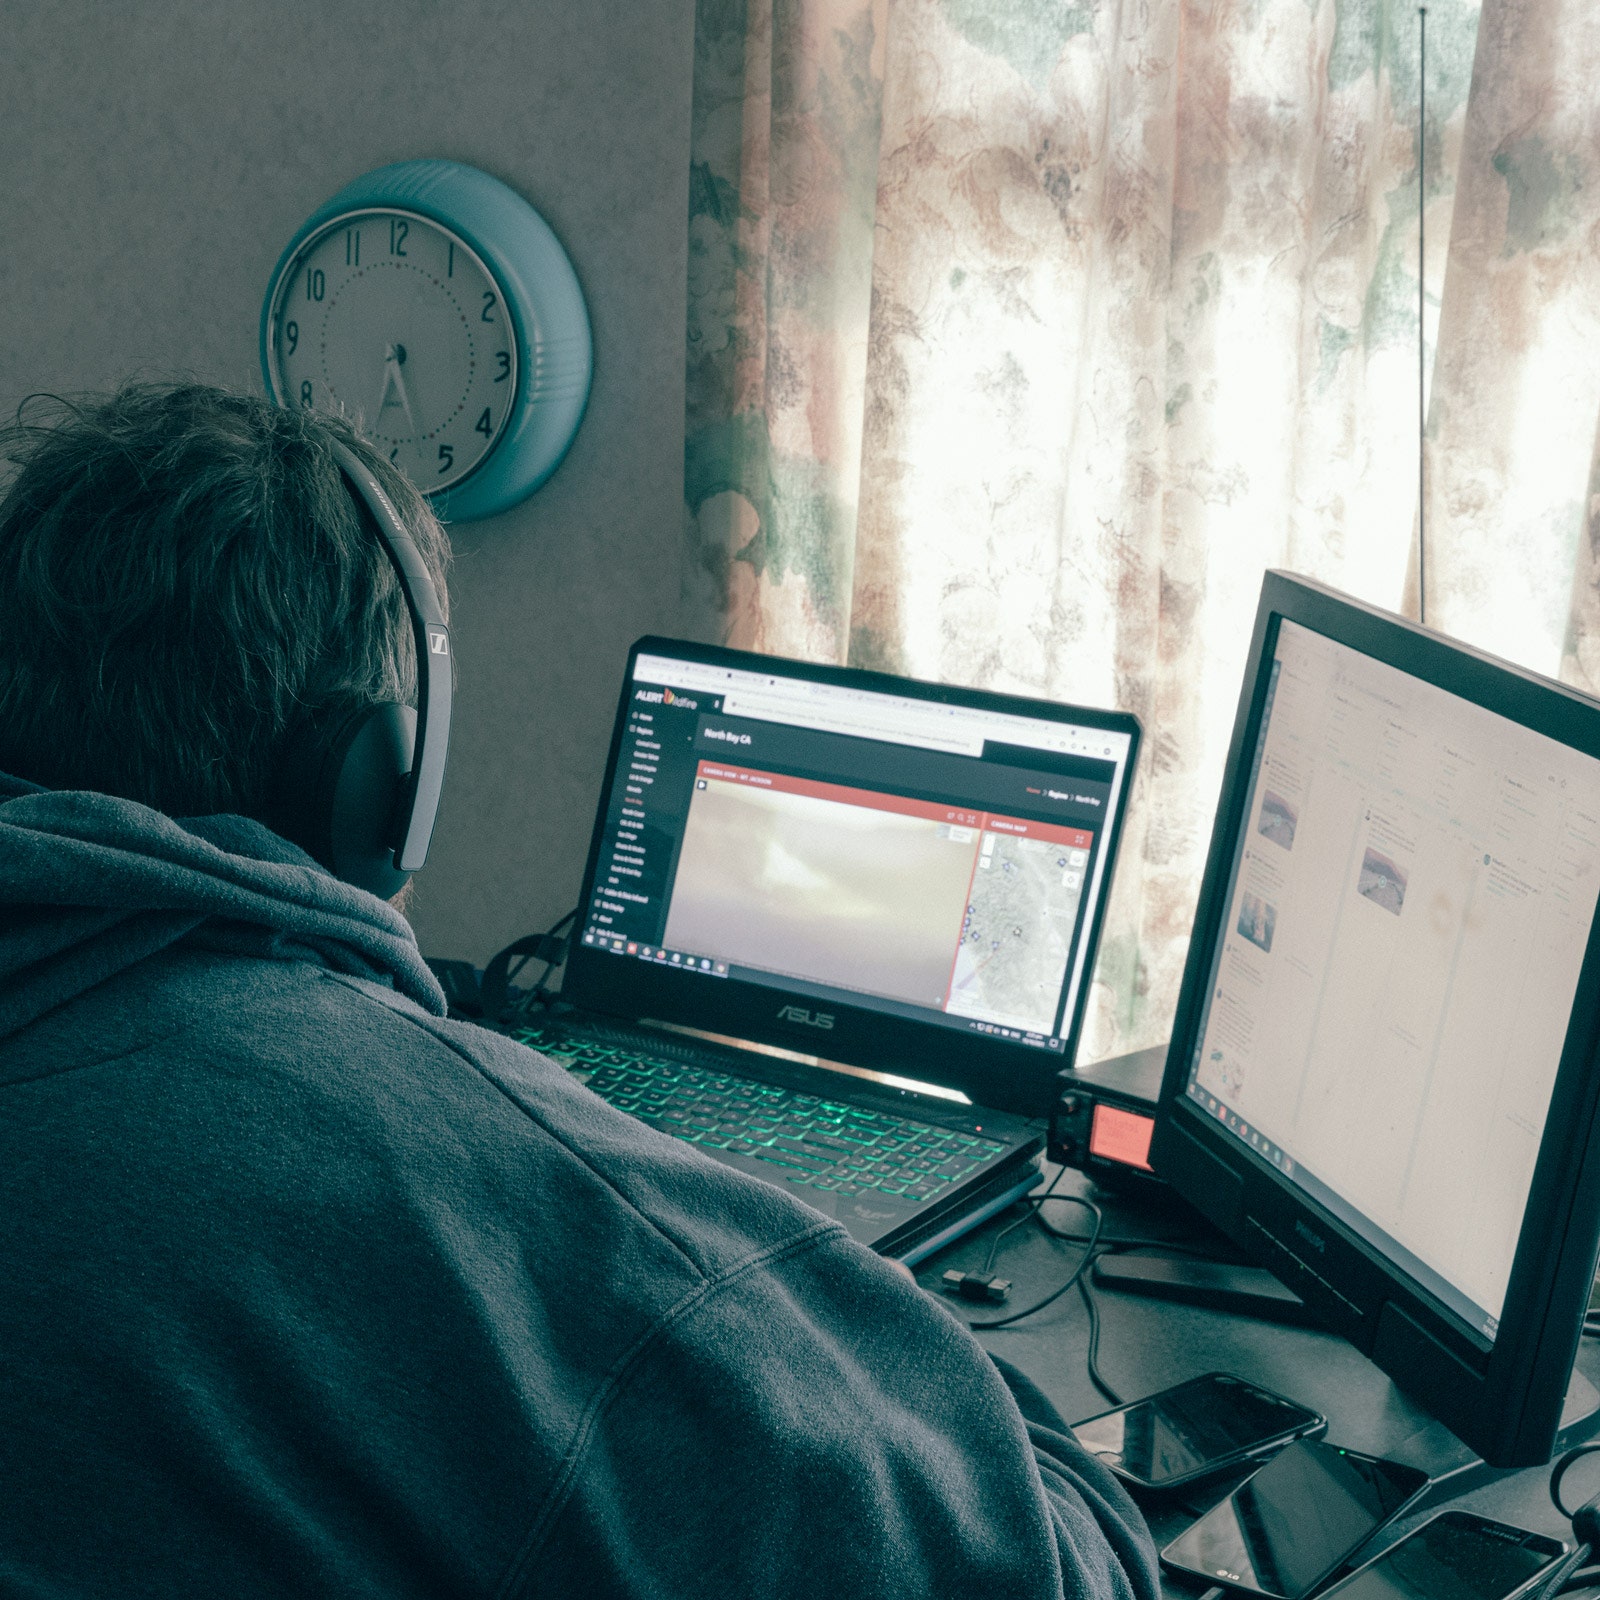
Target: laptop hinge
<point x="935" y="1090"/>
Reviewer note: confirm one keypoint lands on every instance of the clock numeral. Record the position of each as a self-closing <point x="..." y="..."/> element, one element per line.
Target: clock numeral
<point x="316" y="284"/>
<point x="352" y="247"/>
<point x="488" y="306"/>
<point x="291" y="332"/>
<point x="450" y="260"/>
<point x="394" y="455"/>
<point x="482" y="425"/>
<point x="398" y="229"/>
<point x="447" y="457"/>
<point x="504" y="358"/>
<point x="305" y="393"/>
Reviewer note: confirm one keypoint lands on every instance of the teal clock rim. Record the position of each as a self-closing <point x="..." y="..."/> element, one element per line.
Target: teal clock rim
<point x="530" y="265"/>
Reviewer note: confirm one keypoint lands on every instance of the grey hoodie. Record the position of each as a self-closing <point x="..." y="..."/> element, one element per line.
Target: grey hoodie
<point x="306" y="1290"/>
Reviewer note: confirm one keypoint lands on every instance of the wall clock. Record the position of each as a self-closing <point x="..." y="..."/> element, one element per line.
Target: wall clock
<point x="433" y="306"/>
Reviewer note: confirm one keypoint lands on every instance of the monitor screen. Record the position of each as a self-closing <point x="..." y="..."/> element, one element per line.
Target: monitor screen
<point x="1382" y="1079"/>
<point x="1407" y="916"/>
<point x="919" y="859"/>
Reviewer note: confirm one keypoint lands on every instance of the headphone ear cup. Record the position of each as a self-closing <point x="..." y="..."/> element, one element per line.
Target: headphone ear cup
<point x="339" y="791"/>
<point x="366" y="799"/>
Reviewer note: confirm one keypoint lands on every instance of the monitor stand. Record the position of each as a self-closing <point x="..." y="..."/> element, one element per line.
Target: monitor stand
<point x="1241" y="1291"/>
<point x="1253" y="1292"/>
<point x="1454" y="1470"/>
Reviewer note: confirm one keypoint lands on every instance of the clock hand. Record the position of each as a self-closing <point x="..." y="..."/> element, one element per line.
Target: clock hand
<point x="394" y="384"/>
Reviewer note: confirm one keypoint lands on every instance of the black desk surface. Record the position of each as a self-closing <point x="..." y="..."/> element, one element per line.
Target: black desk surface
<point x="1147" y="1344"/>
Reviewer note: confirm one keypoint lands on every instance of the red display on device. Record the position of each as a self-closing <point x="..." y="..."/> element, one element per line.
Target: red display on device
<point x="1121" y="1136"/>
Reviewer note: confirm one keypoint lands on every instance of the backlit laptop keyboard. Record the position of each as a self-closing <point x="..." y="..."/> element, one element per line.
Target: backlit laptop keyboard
<point x="820" y="1144"/>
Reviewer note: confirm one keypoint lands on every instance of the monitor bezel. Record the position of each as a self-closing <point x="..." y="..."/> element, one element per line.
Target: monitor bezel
<point x="1001" y="1075"/>
<point x="1505" y="1402"/>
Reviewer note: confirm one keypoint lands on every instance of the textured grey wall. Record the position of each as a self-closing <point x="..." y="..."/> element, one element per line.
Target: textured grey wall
<point x="154" y="159"/>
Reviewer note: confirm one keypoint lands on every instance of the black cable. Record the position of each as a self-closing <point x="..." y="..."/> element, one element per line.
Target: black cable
<point x="1076" y="1274"/>
<point x="538" y="992"/>
<point x="494" y="987"/>
<point x="1558" y="1475"/>
<point x="1033" y="1202"/>
<point x="1564" y="1577"/>
<point x="1112" y="1242"/>
<point x="1094" y="1244"/>
<point x="1092" y="1354"/>
<point x="1572" y="1572"/>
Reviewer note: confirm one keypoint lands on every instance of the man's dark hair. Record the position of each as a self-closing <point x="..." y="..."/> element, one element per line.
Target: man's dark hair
<point x="184" y="576"/>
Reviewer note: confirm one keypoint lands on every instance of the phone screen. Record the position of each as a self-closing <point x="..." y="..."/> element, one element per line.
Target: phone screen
<point x="1456" y="1556"/>
<point x="1182" y="1431"/>
<point x="1285" y="1529"/>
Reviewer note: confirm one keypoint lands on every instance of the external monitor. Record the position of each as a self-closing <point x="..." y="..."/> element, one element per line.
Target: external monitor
<point x="893" y="874"/>
<point x="1382" y="1078"/>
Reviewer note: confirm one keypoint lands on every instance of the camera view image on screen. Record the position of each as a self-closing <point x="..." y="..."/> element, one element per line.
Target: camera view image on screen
<point x="921" y="859"/>
<point x="1294" y="1522"/>
<point x="1408" y="913"/>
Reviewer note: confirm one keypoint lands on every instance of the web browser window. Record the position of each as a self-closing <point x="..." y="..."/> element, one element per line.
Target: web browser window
<point x="1412" y="894"/>
<point x="916" y="858"/>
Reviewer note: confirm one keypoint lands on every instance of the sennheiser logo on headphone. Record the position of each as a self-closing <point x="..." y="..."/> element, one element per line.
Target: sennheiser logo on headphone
<point x="438" y="642"/>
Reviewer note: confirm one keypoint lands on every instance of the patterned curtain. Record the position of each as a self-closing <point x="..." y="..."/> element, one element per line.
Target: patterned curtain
<point x="1022" y="338"/>
<point x="782" y="193"/>
<point x="1513" y="521"/>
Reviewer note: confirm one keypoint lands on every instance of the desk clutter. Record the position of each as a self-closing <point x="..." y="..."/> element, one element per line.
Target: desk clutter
<point x="1375" y="1111"/>
<point x="1353" y="1460"/>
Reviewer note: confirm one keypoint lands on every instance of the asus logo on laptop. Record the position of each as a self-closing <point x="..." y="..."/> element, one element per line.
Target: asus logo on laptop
<point x="812" y="1019"/>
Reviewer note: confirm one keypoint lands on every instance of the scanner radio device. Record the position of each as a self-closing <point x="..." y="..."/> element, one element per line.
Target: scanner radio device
<point x="1104" y="1117"/>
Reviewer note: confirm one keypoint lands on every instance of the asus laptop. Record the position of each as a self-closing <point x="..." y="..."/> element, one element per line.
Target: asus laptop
<point x="838" y="928"/>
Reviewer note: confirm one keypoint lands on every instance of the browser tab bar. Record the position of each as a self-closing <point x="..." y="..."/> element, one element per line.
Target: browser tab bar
<point x="865" y="713"/>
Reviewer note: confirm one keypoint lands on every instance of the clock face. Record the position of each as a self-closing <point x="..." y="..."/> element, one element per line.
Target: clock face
<point x="391" y="319"/>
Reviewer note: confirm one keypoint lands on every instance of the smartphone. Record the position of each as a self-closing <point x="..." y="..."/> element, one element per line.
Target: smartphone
<point x="1456" y="1555"/>
<point x="1194" y="1430"/>
<point x="1296" y="1521"/>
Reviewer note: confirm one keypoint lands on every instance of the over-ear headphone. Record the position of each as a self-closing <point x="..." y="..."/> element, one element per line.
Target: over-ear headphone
<point x="359" y="789"/>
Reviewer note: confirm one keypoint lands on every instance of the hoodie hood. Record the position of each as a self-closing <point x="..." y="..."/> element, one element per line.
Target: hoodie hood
<point x="91" y="884"/>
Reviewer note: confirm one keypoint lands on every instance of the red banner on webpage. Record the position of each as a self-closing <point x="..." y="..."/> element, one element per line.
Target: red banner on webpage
<point x="873" y="800"/>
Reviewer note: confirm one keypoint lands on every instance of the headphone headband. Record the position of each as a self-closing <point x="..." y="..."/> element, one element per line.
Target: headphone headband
<point x="412" y="828"/>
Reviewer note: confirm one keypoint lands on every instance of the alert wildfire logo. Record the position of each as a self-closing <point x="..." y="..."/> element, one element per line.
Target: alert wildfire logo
<point x="665" y="697"/>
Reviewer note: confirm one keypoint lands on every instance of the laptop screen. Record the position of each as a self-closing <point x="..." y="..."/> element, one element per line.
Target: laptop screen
<point x="930" y="855"/>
